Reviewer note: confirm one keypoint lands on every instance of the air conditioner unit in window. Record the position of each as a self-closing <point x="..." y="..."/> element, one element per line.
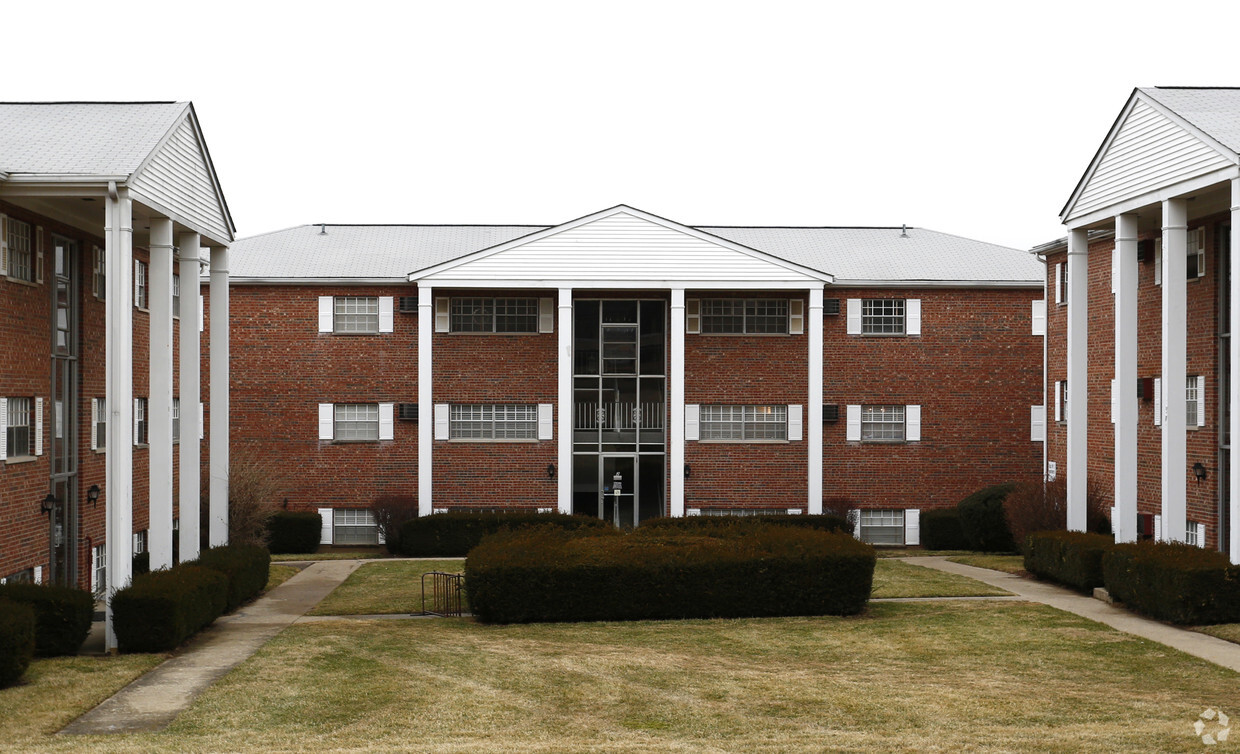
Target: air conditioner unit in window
<point x="407" y="305"/>
<point x="830" y="413"/>
<point x="831" y="307"/>
<point x="407" y="412"/>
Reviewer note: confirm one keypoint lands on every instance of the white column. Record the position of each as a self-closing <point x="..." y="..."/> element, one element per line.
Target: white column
<point x="1174" y="368"/>
<point x="564" y="478"/>
<point x="217" y="531"/>
<point x="1125" y="525"/>
<point x="676" y="401"/>
<point x="426" y="409"/>
<point x="1078" y="378"/>
<point x="1233" y="399"/>
<point x="118" y="242"/>
<point x="813" y="424"/>
<point x="189" y="393"/>
<point x="159" y="402"/>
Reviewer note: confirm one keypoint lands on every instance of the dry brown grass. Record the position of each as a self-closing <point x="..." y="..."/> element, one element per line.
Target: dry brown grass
<point x="895" y="578"/>
<point x="1228" y="631"/>
<point x="277" y="575"/>
<point x="384" y="588"/>
<point x="1006" y="563"/>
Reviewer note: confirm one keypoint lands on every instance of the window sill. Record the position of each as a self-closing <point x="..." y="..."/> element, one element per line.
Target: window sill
<point x="884" y="442"/>
<point x="141" y="445"/>
<point x="353" y="442"/>
<point x="885" y="335"/>
<point x="354" y="334"/>
<point x="745" y="334"/>
<point x="98" y="451"/>
<point x="20" y="459"/>
<point x="744" y="442"/>
<point x="491" y="332"/>
<point x="22" y="281"/>
<point x="494" y="440"/>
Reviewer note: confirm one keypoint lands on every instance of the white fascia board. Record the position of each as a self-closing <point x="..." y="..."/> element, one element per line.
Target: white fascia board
<point x="618" y="209"/>
<point x="938" y="283"/>
<point x="637" y="285"/>
<point x="1107" y="214"/>
<point x="232" y="280"/>
<point x="70" y="184"/>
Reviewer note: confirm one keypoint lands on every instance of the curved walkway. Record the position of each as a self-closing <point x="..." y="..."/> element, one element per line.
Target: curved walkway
<point x="1206" y="647"/>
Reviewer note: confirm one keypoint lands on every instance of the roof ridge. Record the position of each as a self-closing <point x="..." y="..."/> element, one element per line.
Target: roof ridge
<point x="1224" y="88"/>
<point x="97" y="102"/>
<point x="813" y="227"/>
<point x="428" y="225"/>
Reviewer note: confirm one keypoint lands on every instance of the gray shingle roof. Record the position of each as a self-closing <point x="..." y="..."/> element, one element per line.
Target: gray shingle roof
<point x="82" y="138"/>
<point x="393" y="251"/>
<point x="1214" y="111"/>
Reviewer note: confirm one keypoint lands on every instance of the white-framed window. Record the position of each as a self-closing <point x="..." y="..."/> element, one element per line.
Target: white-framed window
<point x="356" y="315"/>
<point x="99" y="423"/>
<point x="139" y="542"/>
<point x="882" y="423"/>
<point x="140" y="288"/>
<point x="354" y="526"/>
<point x="1190" y="534"/>
<point x="1191" y="401"/>
<point x="753" y="316"/>
<point x="882" y="316"/>
<point x="99" y="569"/>
<point x="356" y="422"/>
<point x="21" y="250"/>
<point x="1195" y="264"/>
<point x="99" y="277"/>
<point x="742" y="423"/>
<point x="140" y="424"/>
<point x="1061" y="283"/>
<point x="176" y="295"/>
<point x="882" y="527"/>
<point x="176" y="419"/>
<point x="19" y="428"/>
<point x="500" y="421"/>
<point x="498" y="315"/>
<point x="1061" y="401"/>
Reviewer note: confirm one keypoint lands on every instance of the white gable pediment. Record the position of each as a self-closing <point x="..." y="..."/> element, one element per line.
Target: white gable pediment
<point x="177" y="178"/>
<point x="1147" y="149"/>
<point x="621" y="244"/>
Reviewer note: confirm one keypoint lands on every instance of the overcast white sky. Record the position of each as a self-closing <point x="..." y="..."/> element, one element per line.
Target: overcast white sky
<point x="974" y="118"/>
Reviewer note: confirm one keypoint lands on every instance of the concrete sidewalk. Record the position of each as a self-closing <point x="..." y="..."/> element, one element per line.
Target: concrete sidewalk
<point x="155" y="699"/>
<point x="1206" y="647"/>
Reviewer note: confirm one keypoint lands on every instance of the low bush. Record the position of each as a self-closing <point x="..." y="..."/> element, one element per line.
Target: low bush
<point x="1174" y="582"/>
<point x="821" y="523"/>
<point x="453" y="535"/>
<point x="940" y="530"/>
<point x="391" y="513"/>
<point x="246" y="566"/>
<point x="161" y="609"/>
<point x="983" y="521"/>
<point x="548" y="574"/>
<point x="62" y="615"/>
<point x="1067" y="557"/>
<point x="16" y="641"/>
<point x="141" y="563"/>
<point x="294" y="532"/>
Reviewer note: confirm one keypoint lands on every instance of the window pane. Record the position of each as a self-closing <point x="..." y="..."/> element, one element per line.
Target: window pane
<point x="766" y="316"/>
<point x="20" y="257"/>
<point x="766" y="422"/>
<point x="357" y="314"/>
<point x="357" y="421"/>
<point x="721" y="422"/>
<point x="19" y="430"/>
<point x="516" y="315"/>
<point x="723" y="315"/>
<point x="472" y="314"/>
<point x="880" y="316"/>
<point x="882" y="423"/>
<point x="504" y="421"/>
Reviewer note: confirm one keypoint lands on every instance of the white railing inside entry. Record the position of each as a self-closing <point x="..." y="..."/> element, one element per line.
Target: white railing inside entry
<point x="618" y="416"/>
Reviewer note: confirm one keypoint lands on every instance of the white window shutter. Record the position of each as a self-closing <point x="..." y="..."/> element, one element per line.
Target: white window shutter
<point x="1201" y="400"/>
<point x="38" y="426"/>
<point x="327" y="421"/>
<point x="856" y="519"/>
<point x="202" y="314"/>
<point x="912" y="423"/>
<point x="1039" y="317"/>
<point x="691" y="422"/>
<point x="137" y="276"/>
<point x="854" y="316"/>
<point x="325" y="534"/>
<point x="327" y="314"/>
<point x="38" y="574"/>
<point x="385" y="313"/>
<point x="4" y="246"/>
<point x="693" y="316"/>
<point x="442" y="428"/>
<point x="912" y="316"/>
<point x="1158" y="408"/>
<point x="387" y="425"/>
<point x="796" y="317"/>
<point x="1114" y="401"/>
<point x="1158" y="528"/>
<point x="545" y="426"/>
<point x="443" y="314"/>
<point x="4" y="423"/>
<point x="853" y="422"/>
<point x="1201" y="536"/>
<point x="795" y="422"/>
<point x="1059" y="282"/>
<point x="136" y="436"/>
<point x="1058" y="400"/>
<point x="1037" y="423"/>
<point x="912" y="526"/>
<point x="546" y="315"/>
<point x="38" y="254"/>
<point x="1157" y="261"/>
<point x="94" y="424"/>
<point x="1114" y="269"/>
<point x="382" y="538"/>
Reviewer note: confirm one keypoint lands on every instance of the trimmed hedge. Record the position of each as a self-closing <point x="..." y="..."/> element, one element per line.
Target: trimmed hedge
<point x="983" y="520"/>
<point x="246" y="566"/>
<point x="161" y="609"/>
<point x="548" y="574"/>
<point x="294" y="532"/>
<point x="16" y="641"/>
<point x="1174" y="582"/>
<point x="1068" y="557"/>
<point x="941" y="530"/>
<point x="453" y="535"/>
<point x="819" y="522"/>
<point x="62" y="615"/>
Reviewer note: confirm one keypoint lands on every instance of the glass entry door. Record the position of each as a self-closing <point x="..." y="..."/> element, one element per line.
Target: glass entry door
<point x="618" y="490"/>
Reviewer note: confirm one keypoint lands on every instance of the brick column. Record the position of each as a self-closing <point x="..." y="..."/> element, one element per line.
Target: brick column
<point x="190" y="394"/>
<point x="118" y="497"/>
<point x="1078" y="378"/>
<point x="1125" y="523"/>
<point x="159" y="402"/>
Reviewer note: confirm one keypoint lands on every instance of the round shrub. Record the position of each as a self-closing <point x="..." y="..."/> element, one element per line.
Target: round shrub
<point x="294" y="532"/>
<point x="16" y="641"/>
<point x="62" y="615"/>
<point x="940" y="530"/>
<point x="983" y="521"/>
<point x="453" y="535"/>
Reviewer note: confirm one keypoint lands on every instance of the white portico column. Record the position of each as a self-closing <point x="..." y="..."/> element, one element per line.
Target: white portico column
<point x="1078" y="378"/>
<point x="676" y="402"/>
<point x="159" y="403"/>
<point x="1233" y="465"/>
<point x="813" y="426"/>
<point x="217" y="531"/>
<point x="191" y="427"/>
<point x="118" y="242"/>
<point x="564" y="399"/>
<point x="1125" y="525"/>
<point x="426" y="410"/>
<point x="1174" y="368"/>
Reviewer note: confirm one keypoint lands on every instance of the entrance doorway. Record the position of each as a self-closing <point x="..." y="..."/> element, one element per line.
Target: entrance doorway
<point x="63" y="517"/>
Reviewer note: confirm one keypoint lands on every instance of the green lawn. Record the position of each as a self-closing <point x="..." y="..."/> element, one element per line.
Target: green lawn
<point x="894" y="578"/>
<point x="1228" y="631"/>
<point x="1006" y="563"/>
<point x="387" y="587"/>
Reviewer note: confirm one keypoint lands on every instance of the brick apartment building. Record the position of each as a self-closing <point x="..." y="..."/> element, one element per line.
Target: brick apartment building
<point x="623" y="365"/>
<point x="105" y="209"/>
<point x="1140" y="313"/>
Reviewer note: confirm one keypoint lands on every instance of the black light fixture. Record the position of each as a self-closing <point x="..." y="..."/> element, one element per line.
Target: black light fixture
<point x="49" y="503"/>
<point x="1199" y="471"/>
<point x="285" y="504"/>
<point x="92" y="495"/>
<point x="688" y="472"/>
<point x="551" y="471"/>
